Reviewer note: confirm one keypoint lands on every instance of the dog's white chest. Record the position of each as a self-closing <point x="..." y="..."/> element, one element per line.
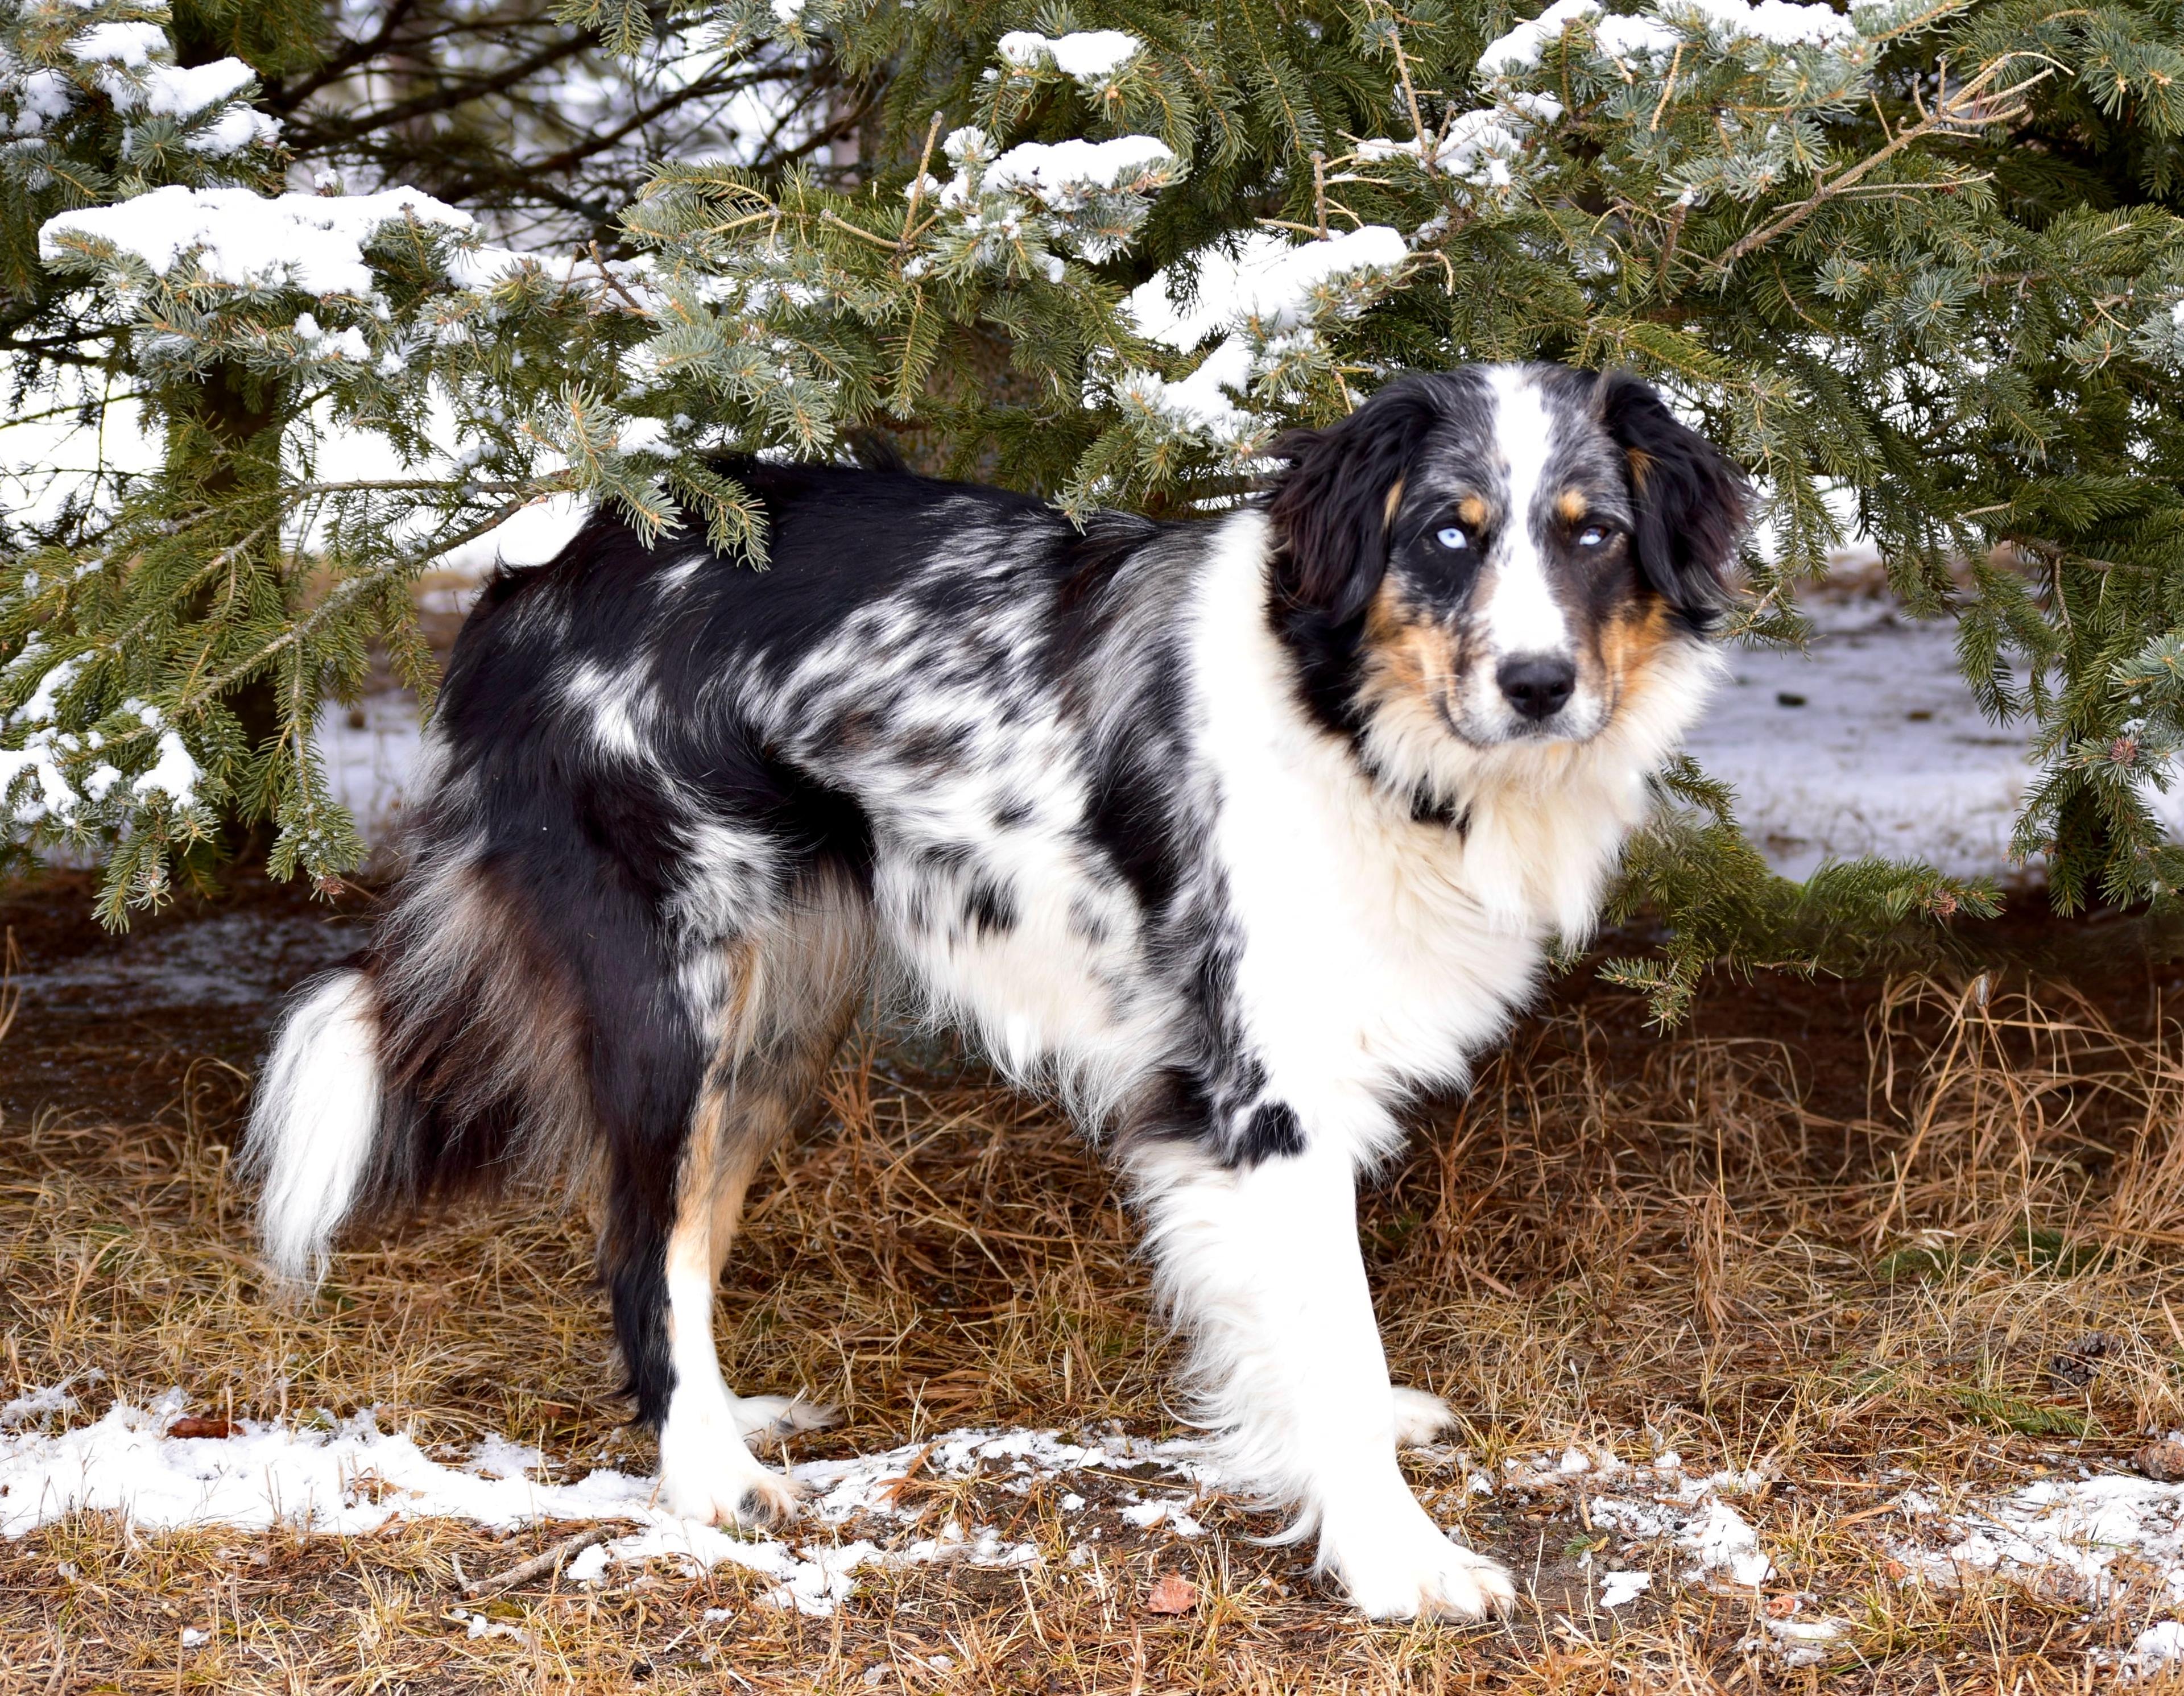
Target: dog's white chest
<point x="1367" y="964"/>
<point x="1365" y="967"/>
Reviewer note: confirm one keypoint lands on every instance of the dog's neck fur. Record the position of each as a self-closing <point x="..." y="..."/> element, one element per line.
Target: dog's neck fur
<point x="1529" y="830"/>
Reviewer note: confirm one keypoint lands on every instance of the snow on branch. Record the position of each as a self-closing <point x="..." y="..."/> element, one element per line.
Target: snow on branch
<point x="1013" y="209"/>
<point x="314" y="243"/>
<point x="66" y="782"/>
<point x="1776" y="23"/>
<point x="132" y="63"/>
<point x="1268" y="300"/>
<point x="1090" y="58"/>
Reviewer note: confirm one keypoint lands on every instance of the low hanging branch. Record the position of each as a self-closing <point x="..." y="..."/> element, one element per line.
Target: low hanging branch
<point x="1110" y="265"/>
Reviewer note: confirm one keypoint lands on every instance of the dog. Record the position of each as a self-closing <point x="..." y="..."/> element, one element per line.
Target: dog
<point x="1236" y="832"/>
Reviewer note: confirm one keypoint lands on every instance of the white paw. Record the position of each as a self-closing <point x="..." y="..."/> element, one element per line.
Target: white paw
<point x="1408" y="1569"/>
<point x="1420" y="1418"/>
<point x="706" y="1473"/>
<point x="768" y="1419"/>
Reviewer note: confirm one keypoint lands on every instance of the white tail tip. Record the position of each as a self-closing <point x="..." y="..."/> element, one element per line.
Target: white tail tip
<point x="313" y="1125"/>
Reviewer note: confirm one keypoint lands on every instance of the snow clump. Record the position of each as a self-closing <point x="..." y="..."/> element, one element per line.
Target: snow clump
<point x="1089" y="57"/>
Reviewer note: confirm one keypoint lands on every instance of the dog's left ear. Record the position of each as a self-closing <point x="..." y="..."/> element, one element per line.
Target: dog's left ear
<point x="1690" y="498"/>
<point x="1333" y="509"/>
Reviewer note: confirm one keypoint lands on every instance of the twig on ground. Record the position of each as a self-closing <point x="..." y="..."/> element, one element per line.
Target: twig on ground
<point x="549" y="1561"/>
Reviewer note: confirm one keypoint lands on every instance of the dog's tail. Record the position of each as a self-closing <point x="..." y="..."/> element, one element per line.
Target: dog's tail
<point x="446" y="1058"/>
<point x="314" y="1142"/>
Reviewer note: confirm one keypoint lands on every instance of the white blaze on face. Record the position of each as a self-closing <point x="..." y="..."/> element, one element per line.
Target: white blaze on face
<point x="1521" y="615"/>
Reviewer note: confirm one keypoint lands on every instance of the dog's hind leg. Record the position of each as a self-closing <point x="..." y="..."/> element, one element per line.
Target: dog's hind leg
<point x="792" y="992"/>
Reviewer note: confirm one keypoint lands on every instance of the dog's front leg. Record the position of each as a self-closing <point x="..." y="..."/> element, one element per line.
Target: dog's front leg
<point x="1260" y="1263"/>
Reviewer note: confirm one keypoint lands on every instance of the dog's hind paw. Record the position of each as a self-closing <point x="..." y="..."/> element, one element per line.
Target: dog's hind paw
<point x="1420" y="1417"/>
<point x="768" y="1419"/>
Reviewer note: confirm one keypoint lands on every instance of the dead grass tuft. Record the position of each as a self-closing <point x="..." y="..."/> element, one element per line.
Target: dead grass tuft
<point x="1823" y="1253"/>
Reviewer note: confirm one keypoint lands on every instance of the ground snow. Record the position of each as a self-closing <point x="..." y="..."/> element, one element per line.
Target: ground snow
<point x="35" y="1405"/>
<point x="2084" y="1538"/>
<point x="1868" y="741"/>
<point x="2155" y="1649"/>
<point x="2062" y="1534"/>
<point x="348" y="1477"/>
<point x="1655" y="1503"/>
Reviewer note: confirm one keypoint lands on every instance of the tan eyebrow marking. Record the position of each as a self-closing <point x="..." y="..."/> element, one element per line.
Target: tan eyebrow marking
<point x="1394" y="500"/>
<point x="1472" y="511"/>
<point x="1571" y="504"/>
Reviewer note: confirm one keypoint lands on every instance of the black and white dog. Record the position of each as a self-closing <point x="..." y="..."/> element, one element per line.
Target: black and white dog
<point x="1237" y="833"/>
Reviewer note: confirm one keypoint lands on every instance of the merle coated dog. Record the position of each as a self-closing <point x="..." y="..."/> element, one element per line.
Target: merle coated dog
<point x="1236" y="832"/>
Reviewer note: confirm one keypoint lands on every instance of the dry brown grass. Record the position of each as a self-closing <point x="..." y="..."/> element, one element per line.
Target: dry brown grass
<point x="1819" y="1258"/>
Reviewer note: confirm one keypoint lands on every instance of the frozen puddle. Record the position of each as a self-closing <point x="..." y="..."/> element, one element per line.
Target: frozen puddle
<point x="226" y="959"/>
<point x="349" y="1478"/>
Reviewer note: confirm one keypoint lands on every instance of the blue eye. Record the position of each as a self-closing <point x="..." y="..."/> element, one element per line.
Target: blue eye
<point x="1593" y="537"/>
<point x="1452" y="538"/>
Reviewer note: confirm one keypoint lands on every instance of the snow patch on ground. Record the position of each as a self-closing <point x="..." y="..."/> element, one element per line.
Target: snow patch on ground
<point x="2154" y="1652"/>
<point x="1654" y="1503"/>
<point x="1869" y="742"/>
<point x="348" y="1477"/>
<point x="2085" y="1538"/>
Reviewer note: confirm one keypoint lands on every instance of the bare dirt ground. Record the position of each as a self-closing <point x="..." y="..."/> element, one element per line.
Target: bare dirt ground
<point x="1870" y="1255"/>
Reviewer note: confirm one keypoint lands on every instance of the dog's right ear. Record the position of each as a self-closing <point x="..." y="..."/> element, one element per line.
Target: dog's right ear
<point x="1334" y="508"/>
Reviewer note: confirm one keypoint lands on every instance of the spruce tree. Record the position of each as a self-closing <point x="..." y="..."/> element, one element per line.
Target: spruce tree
<point x="1918" y="264"/>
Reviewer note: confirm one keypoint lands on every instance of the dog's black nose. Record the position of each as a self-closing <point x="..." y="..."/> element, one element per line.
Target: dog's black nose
<point x="1537" y="684"/>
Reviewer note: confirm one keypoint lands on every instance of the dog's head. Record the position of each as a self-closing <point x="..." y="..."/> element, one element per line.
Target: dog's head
<point x="1505" y="555"/>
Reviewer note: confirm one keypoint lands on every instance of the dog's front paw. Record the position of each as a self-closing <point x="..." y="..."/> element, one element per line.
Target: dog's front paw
<point x="722" y="1485"/>
<point x="1409" y="1570"/>
<point x="1420" y="1417"/>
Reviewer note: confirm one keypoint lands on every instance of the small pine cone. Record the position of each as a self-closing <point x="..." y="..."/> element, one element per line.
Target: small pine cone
<point x="2162" y="1458"/>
